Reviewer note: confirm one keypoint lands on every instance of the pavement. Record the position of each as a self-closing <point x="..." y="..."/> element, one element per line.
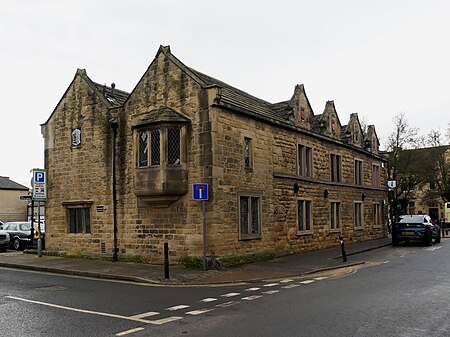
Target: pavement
<point x="288" y="266"/>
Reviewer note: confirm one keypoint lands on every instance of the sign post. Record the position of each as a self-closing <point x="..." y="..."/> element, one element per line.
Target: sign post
<point x="39" y="182"/>
<point x="200" y="192"/>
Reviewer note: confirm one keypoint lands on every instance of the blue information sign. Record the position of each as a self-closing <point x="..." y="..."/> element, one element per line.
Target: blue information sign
<point x="200" y="191"/>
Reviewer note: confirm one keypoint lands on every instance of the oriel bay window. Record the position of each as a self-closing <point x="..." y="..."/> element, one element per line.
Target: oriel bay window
<point x="161" y="158"/>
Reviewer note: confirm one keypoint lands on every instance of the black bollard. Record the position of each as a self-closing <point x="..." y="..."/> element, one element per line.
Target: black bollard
<point x="166" y="260"/>
<point x="344" y="254"/>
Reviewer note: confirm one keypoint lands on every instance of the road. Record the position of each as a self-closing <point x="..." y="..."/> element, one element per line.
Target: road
<point x="400" y="291"/>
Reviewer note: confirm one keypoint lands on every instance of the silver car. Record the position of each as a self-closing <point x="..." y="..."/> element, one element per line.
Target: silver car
<point x="4" y="240"/>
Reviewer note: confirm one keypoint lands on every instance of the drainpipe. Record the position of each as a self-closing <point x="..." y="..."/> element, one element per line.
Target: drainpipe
<point x="114" y="123"/>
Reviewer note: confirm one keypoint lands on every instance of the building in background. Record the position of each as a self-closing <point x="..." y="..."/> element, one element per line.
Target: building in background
<point x="11" y="207"/>
<point x="280" y="177"/>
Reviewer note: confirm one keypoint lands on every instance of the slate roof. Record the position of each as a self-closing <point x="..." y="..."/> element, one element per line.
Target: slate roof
<point x="421" y="161"/>
<point x="244" y="101"/>
<point x="6" y="184"/>
<point x="116" y="98"/>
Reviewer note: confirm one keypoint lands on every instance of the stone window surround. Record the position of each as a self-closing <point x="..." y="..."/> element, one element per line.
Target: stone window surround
<point x="358" y="172"/>
<point x="361" y="210"/>
<point x="306" y="203"/>
<point x="339" y="218"/>
<point x="248" y="153"/>
<point x="163" y="143"/>
<point x="250" y="236"/>
<point x="304" y="160"/>
<point x="377" y="216"/>
<point x="335" y="167"/>
<point x="82" y="204"/>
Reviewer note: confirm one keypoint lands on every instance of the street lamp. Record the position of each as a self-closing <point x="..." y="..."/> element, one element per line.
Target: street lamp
<point x="114" y="123"/>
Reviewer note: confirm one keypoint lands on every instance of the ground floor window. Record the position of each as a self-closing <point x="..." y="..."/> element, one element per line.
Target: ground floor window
<point x="78" y="217"/>
<point x="304" y="217"/>
<point x="250" y="218"/>
<point x="335" y="215"/>
<point x="377" y="215"/>
<point x="358" y="216"/>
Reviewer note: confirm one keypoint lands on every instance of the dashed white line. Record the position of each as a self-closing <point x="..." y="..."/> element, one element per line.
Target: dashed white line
<point x="198" y="312"/>
<point x="227" y="304"/>
<point x="252" y="289"/>
<point x="321" y="278"/>
<point x="207" y="300"/>
<point x="129" y="331"/>
<point x="290" y="286"/>
<point x="231" y="295"/>
<point x="145" y="314"/>
<point x="166" y="320"/>
<point x="251" y="298"/>
<point x="307" y="281"/>
<point x="178" y="307"/>
<point x="271" y="292"/>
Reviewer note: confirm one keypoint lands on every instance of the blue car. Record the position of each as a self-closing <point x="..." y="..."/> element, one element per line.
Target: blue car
<point x="417" y="227"/>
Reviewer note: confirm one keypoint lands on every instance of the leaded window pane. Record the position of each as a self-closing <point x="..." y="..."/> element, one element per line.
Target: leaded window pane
<point x="143" y="149"/>
<point x="255" y="215"/>
<point x="173" y="139"/>
<point x="244" y="215"/>
<point x="155" y="147"/>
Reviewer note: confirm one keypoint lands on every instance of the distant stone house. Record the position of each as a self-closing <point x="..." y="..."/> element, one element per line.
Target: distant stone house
<point x="11" y="207"/>
<point x="280" y="177"/>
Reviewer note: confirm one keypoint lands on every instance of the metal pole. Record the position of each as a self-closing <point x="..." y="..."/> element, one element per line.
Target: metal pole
<point x="39" y="242"/>
<point x="166" y="260"/>
<point x="32" y="223"/>
<point x="204" y="234"/>
<point x="114" y="124"/>
<point x="344" y="254"/>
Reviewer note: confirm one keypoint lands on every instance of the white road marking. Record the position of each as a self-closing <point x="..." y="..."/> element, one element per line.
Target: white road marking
<point x="207" y="300"/>
<point x="166" y="320"/>
<point x="129" y="331"/>
<point x="231" y="295"/>
<point x="307" y="282"/>
<point x="432" y="249"/>
<point x="178" y="307"/>
<point x="320" y="278"/>
<point x="198" y="312"/>
<point x="79" y="310"/>
<point x="271" y="292"/>
<point x="271" y="285"/>
<point x="251" y="298"/>
<point x="286" y="281"/>
<point x="252" y="289"/>
<point x="145" y="314"/>
<point x="227" y="304"/>
<point x="290" y="286"/>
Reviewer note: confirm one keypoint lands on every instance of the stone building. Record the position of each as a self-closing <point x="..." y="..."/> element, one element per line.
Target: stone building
<point x="280" y="177"/>
<point x="11" y="207"/>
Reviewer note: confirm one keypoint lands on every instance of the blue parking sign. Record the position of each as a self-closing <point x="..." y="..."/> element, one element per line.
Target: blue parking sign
<point x="200" y="191"/>
<point x="39" y="185"/>
<point x="39" y="176"/>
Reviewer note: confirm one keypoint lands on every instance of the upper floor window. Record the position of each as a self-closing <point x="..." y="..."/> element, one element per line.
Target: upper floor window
<point x="159" y="144"/>
<point x="335" y="215"/>
<point x="304" y="161"/>
<point x="335" y="167"/>
<point x="250" y="217"/>
<point x="248" y="153"/>
<point x="376" y="176"/>
<point x="358" y="172"/>
<point x="304" y="216"/>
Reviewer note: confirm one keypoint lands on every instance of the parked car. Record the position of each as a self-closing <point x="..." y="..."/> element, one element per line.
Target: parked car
<point x="19" y="233"/>
<point x="418" y="227"/>
<point x="4" y="240"/>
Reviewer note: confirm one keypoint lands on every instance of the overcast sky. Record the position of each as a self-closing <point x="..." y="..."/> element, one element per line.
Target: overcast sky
<point x="376" y="58"/>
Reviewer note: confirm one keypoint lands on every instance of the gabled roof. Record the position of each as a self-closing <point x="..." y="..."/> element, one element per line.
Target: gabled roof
<point x="6" y="184"/>
<point x="420" y="160"/>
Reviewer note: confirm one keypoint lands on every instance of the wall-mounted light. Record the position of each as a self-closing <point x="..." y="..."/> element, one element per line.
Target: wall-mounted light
<point x="325" y="194"/>
<point x="363" y="196"/>
<point x="296" y="188"/>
